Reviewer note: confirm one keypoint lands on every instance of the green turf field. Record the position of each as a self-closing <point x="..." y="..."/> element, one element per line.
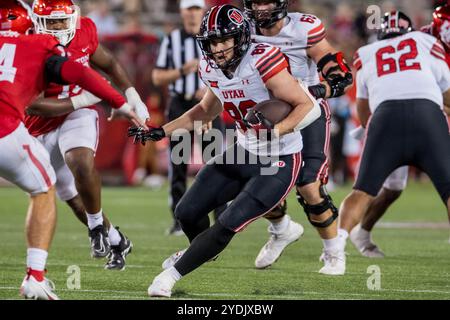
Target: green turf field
<point x="417" y="264"/>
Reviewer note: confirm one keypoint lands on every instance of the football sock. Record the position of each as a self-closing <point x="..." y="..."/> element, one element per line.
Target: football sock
<point x="94" y="220"/>
<point x="114" y="236"/>
<point x="36" y="259"/>
<point x="173" y="273"/>
<point x="280" y="226"/>
<point x="205" y="246"/>
<point x="332" y="244"/>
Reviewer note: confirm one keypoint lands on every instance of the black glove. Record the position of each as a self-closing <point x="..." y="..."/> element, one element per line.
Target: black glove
<point x="319" y="91"/>
<point x="338" y="83"/>
<point x="141" y="135"/>
<point x="261" y="124"/>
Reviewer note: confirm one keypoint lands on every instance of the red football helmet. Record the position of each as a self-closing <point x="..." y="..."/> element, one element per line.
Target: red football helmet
<point x="47" y="12"/>
<point x="440" y="27"/>
<point x="14" y="17"/>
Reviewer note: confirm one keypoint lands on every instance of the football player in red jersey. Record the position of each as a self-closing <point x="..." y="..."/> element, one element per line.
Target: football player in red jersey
<point x="27" y="62"/>
<point x="396" y="183"/>
<point x="72" y="139"/>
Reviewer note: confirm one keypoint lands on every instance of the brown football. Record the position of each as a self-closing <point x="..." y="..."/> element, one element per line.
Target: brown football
<point x="273" y="110"/>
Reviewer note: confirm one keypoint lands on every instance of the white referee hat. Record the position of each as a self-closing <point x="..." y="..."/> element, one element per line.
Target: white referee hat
<point x="186" y="4"/>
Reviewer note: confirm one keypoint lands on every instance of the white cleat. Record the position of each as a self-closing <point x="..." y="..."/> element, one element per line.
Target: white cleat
<point x="37" y="290"/>
<point x="362" y="240"/>
<point x="162" y="285"/>
<point x="334" y="261"/>
<point x="273" y="249"/>
<point x="170" y="261"/>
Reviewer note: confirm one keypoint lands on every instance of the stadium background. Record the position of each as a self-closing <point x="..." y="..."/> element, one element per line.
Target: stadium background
<point x="413" y="234"/>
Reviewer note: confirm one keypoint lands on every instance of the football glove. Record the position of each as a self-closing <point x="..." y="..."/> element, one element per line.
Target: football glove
<point x="141" y="135"/>
<point x="262" y="125"/>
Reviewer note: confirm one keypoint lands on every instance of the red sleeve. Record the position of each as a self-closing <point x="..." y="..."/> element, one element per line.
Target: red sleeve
<point x="73" y="72"/>
<point x="271" y="64"/>
<point x="53" y="46"/>
<point x="91" y="30"/>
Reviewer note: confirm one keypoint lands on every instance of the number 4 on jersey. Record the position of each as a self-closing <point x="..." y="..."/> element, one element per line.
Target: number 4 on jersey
<point x="7" y="70"/>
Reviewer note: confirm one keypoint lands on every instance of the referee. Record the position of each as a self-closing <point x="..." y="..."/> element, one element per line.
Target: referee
<point x="177" y="67"/>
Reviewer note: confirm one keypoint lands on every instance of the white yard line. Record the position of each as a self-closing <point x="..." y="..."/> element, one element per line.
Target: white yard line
<point x="413" y="225"/>
<point x="289" y="295"/>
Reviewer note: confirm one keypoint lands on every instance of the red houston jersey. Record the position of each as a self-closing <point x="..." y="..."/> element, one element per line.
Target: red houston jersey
<point x="80" y="49"/>
<point x="22" y="74"/>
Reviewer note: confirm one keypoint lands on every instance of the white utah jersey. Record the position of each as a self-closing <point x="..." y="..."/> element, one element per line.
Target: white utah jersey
<point x="411" y="66"/>
<point x="245" y="90"/>
<point x="301" y="32"/>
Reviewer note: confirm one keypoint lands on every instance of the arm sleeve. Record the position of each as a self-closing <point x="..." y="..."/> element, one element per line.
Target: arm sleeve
<point x="93" y="35"/>
<point x="164" y="54"/>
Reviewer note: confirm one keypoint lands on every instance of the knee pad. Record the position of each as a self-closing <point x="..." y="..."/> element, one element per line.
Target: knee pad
<point x="278" y="212"/>
<point x="320" y="208"/>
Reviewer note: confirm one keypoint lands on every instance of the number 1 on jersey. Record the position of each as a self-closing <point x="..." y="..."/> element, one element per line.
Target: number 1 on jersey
<point x="7" y="70"/>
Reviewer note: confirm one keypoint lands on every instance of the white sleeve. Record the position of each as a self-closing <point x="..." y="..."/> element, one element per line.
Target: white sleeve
<point x="438" y="63"/>
<point x="443" y="78"/>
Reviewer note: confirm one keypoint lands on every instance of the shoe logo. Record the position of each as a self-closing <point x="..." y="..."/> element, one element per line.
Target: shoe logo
<point x="279" y="164"/>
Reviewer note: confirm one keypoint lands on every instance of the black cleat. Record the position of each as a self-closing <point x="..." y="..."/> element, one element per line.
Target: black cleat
<point x="100" y="246"/>
<point x="116" y="258"/>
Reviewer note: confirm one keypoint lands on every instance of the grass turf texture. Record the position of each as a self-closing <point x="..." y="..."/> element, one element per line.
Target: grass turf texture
<point x="416" y="266"/>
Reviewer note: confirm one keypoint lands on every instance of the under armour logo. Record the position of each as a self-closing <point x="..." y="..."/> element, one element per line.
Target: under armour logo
<point x="245" y="82"/>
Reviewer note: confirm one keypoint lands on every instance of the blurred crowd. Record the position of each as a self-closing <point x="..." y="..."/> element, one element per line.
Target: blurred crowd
<point x="133" y="29"/>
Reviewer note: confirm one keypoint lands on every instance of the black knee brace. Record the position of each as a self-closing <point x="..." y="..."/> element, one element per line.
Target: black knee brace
<point x="320" y="208"/>
<point x="279" y="212"/>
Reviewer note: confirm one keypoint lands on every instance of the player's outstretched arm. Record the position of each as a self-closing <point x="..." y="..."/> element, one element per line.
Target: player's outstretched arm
<point x="52" y="107"/>
<point x="61" y="70"/>
<point x="205" y="111"/>
<point x="306" y="109"/>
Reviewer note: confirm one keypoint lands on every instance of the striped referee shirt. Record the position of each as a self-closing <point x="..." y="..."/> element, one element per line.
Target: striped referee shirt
<point x="176" y="49"/>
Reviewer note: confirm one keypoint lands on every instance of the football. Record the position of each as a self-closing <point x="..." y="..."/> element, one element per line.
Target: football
<point x="273" y="110"/>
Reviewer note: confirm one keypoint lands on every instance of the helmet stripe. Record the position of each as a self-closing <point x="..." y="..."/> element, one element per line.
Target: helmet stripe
<point x="212" y="18"/>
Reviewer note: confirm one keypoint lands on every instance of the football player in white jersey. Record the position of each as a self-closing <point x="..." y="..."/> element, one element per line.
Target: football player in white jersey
<point x="394" y="185"/>
<point x="302" y="39"/>
<point x="239" y="74"/>
<point x="403" y="82"/>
